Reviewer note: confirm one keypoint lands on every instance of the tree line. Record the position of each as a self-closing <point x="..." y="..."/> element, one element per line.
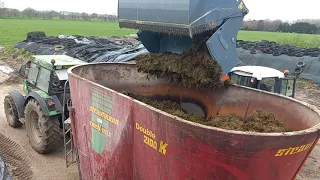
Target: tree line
<point x="31" y="13"/>
<point x="304" y="26"/>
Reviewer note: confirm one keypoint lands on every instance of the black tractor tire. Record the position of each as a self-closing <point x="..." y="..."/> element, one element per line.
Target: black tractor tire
<point x="298" y="70"/>
<point x="11" y="112"/>
<point x="43" y="139"/>
<point x="301" y="64"/>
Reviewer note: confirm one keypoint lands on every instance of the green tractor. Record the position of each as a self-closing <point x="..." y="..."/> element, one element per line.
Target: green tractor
<point x="42" y="109"/>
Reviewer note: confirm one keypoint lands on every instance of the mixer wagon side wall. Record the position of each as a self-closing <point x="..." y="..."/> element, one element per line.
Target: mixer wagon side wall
<point x="121" y="138"/>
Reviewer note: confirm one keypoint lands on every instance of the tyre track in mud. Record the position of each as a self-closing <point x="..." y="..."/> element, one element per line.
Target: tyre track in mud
<point x="15" y="158"/>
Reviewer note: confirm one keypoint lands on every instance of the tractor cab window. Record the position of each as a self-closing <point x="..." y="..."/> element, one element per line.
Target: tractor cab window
<point x="234" y="78"/>
<point x="44" y="79"/>
<point x="238" y="79"/>
<point x="267" y="84"/>
<point x="287" y="87"/>
<point x="243" y="80"/>
<point x="33" y="73"/>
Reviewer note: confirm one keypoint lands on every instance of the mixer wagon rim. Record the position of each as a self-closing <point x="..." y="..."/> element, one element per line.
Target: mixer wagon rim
<point x="315" y="128"/>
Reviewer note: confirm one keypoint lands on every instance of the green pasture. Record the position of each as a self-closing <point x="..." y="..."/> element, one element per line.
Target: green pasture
<point x="299" y="40"/>
<point x="15" y="30"/>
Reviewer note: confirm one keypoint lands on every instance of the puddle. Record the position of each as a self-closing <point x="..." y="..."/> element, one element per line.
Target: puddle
<point x="6" y="69"/>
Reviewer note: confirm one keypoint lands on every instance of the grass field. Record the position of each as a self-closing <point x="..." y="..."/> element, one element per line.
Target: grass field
<point x="15" y="30"/>
<point x="299" y="40"/>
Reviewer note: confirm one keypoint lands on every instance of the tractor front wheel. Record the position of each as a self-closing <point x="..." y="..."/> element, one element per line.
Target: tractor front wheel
<point x="43" y="132"/>
<point x="11" y="111"/>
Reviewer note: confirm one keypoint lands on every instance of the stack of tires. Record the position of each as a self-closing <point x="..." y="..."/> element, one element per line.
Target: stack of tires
<point x="275" y="49"/>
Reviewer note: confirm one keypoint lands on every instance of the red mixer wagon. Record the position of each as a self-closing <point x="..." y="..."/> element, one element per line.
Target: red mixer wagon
<point x="118" y="137"/>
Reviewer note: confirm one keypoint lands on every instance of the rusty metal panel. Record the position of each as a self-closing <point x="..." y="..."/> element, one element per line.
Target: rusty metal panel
<point x="121" y="138"/>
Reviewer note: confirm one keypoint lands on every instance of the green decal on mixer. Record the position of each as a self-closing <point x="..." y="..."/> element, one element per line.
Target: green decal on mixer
<point x="101" y="109"/>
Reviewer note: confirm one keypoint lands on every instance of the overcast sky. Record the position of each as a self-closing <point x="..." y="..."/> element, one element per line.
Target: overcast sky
<point x="259" y="9"/>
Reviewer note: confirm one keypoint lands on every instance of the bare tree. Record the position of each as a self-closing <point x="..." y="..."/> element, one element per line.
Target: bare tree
<point x="1" y="4"/>
<point x="2" y="8"/>
<point x="94" y="16"/>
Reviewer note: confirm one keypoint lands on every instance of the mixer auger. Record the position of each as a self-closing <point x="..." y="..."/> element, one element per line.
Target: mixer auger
<point x="171" y="25"/>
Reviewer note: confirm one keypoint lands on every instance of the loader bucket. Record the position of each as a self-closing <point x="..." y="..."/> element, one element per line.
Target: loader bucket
<point x="165" y="26"/>
<point x="119" y="137"/>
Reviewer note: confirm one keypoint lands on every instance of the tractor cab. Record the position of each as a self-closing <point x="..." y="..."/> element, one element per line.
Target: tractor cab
<point x="264" y="78"/>
<point x="48" y="73"/>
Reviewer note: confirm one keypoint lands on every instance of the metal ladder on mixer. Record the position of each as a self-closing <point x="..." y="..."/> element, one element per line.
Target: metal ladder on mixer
<point x="69" y="150"/>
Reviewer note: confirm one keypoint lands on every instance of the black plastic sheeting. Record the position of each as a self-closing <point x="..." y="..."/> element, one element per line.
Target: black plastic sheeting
<point x="88" y="49"/>
<point x="268" y="47"/>
<point x="4" y="173"/>
<point x="311" y="69"/>
<point x="116" y="49"/>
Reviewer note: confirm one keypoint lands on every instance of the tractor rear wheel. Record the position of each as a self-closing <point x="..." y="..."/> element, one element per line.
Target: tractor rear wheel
<point x="43" y="132"/>
<point x="11" y="112"/>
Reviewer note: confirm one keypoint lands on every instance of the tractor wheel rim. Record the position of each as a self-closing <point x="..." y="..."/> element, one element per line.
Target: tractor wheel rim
<point x="9" y="113"/>
<point x="36" y="126"/>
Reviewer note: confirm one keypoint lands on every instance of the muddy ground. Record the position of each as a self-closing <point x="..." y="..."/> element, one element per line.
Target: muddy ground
<point x="25" y="163"/>
<point x="310" y="93"/>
